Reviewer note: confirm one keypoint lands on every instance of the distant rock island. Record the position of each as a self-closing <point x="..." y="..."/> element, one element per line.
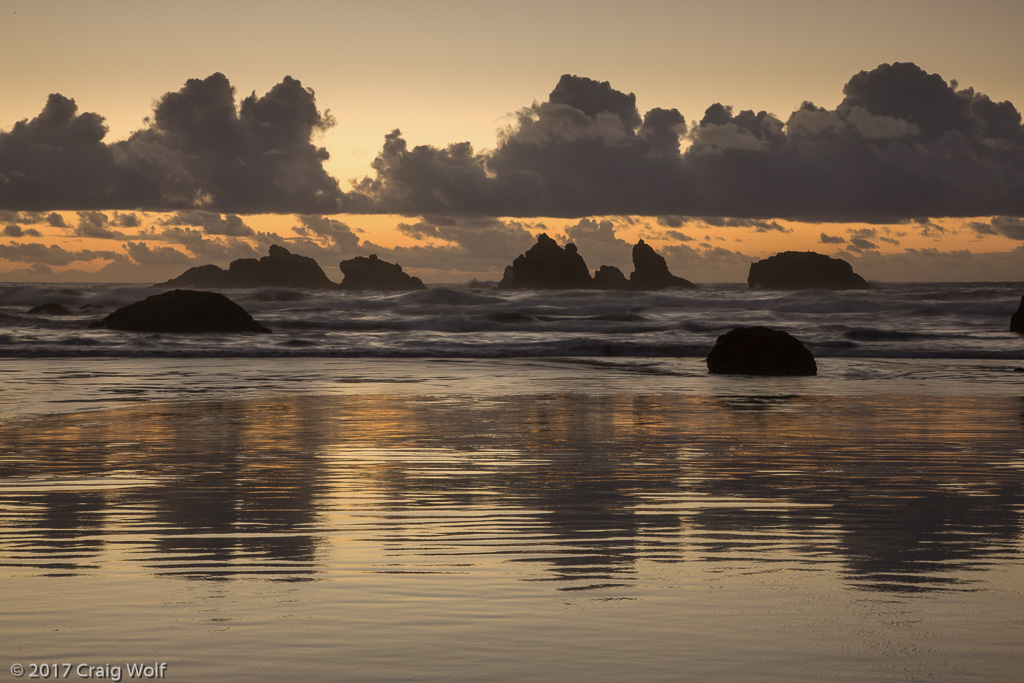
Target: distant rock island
<point x="1017" y="319"/>
<point x="182" y="311"/>
<point x="280" y="268"/>
<point x="369" y="272"/>
<point x="760" y="351"/>
<point x="803" y="270"/>
<point x="548" y="266"/>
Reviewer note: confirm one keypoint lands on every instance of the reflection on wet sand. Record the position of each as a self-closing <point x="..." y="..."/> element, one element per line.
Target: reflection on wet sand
<point x="898" y="493"/>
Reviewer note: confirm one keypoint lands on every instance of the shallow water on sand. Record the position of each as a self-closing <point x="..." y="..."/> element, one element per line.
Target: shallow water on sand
<point x="400" y="520"/>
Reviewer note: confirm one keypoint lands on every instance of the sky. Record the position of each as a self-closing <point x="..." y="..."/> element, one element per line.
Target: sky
<point x="140" y="138"/>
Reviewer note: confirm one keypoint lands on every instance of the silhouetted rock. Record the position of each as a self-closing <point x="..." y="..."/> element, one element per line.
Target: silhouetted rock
<point x="182" y="310"/>
<point x="49" y="309"/>
<point x="547" y="266"/>
<point x="1017" y="319"/>
<point x="280" y="268"/>
<point x="760" y="351"/>
<point x="610" y="277"/>
<point x="370" y="272"/>
<point x="651" y="272"/>
<point x="804" y="270"/>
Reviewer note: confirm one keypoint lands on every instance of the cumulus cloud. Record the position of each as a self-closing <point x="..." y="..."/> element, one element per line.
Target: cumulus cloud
<point x="96" y="224"/>
<point x="1005" y="226"/>
<point x="53" y="255"/>
<point x="831" y="239"/>
<point x="199" y="151"/>
<point x="902" y="143"/>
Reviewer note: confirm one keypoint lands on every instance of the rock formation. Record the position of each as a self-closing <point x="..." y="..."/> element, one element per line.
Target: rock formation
<point x="182" y="310"/>
<point x="50" y="309"/>
<point x="547" y="266"/>
<point x="760" y="351"/>
<point x="280" y="268"/>
<point x="1017" y="319"/>
<point x="610" y="277"/>
<point x="804" y="270"/>
<point x="651" y="272"/>
<point x="370" y="272"/>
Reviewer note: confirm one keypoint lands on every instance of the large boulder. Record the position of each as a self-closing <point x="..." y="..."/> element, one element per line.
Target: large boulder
<point x="369" y="272"/>
<point x="548" y="266"/>
<point x="803" y="270"/>
<point x="1017" y="319"/>
<point x="280" y="268"/>
<point x="760" y="351"/>
<point x="651" y="272"/>
<point x="182" y="310"/>
<point x="50" y="309"/>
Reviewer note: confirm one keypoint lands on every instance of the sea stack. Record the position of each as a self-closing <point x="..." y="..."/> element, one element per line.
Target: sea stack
<point x="1017" y="319"/>
<point x="760" y="351"/>
<point x="803" y="270"/>
<point x="280" y="268"/>
<point x="182" y="311"/>
<point x="369" y="272"/>
<point x="650" y="271"/>
<point x="548" y="266"/>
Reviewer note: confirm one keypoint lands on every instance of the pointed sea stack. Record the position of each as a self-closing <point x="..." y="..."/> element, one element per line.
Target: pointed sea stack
<point x="760" y="351"/>
<point x="370" y="272"/>
<point x="548" y="266"/>
<point x="181" y="311"/>
<point x="651" y="272"/>
<point x="1017" y="319"/>
<point x="803" y="270"/>
<point x="280" y="268"/>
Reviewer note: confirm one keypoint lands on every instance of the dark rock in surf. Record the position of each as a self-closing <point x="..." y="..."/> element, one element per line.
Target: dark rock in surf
<point x="651" y="272"/>
<point x="803" y="270"/>
<point x="370" y="272"/>
<point x="610" y="277"/>
<point x="49" y="309"/>
<point x="1017" y="319"/>
<point x="182" y="311"/>
<point x="280" y="268"/>
<point x="548" y="266"/>
<point x="760" y="351"/>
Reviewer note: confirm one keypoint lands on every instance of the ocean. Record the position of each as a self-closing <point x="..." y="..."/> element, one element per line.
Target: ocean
<point x="466" y="484"/>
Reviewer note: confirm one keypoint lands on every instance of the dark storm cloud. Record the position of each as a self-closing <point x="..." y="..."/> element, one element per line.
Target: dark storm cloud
<point x="902" y="143"/>
<point x="198" y="151"/>
<point x="335" y="232"/>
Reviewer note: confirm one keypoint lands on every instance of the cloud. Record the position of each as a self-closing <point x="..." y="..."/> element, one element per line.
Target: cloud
<point x="15" y="230"/>
<point x="338" y="234"/>
<point x="53" y="255"/>
<point x="212" y="223"/>
<point x="831" y="239"/>
<point x="95" y="224"/>
<point x="903" y="143"/>
<point x="198" y="151"/>
<point x="1001" y="225"/>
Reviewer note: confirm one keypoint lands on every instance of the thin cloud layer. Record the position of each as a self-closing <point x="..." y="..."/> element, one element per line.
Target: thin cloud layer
<point x="199" y="151"/>
<point x="902" y="143"/>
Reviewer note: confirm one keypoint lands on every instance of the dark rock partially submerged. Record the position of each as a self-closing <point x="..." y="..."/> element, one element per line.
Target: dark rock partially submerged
<point x="803" y="270"/>
<point x="370" y="272"/>
<point x="651" y="272"/>
<point x="1017" y="319"/>
<point x="50" y="309"/>
<point x="182" y="311"/>
<point x="280" y="268"/>
<point x="547" y="266"/>
<point x="760" y="351"/>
